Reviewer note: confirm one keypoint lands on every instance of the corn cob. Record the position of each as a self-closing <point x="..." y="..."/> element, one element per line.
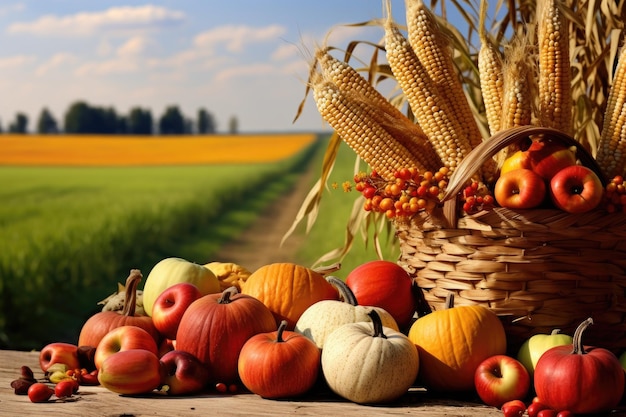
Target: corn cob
<point x="611" y="155"/>
<point x="490" y="73"/>
<point x="433" y="115"/>
<point x="555" y="88"/>
<point x="367" y="138"/>
<point x="518" y="87"/>
<point x="387" y="115"/>
<point x="432" y="49"/>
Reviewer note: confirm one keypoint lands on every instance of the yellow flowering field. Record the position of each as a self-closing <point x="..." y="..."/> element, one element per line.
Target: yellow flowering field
<point x="121" y="150"/>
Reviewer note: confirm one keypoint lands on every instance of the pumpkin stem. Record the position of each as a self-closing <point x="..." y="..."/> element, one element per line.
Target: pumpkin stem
<point x="449" y="300"/>
<point x="578" y="336"/>
<point x="345" y="293"/>
<point x="130" y="293"/>
<point x="281" y="329"/>
<point x="378" y="324"/>
<point x="226" y="294"/>
<point x="555" y="332"/>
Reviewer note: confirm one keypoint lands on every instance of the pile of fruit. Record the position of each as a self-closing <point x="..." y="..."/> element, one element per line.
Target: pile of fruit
<point x="281" y="330"/>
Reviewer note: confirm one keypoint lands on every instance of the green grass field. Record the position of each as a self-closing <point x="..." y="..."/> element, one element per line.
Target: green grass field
<point x="68" y="235"/>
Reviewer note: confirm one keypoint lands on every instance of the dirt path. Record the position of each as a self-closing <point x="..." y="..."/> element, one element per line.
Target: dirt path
<point x="260" y="243"/>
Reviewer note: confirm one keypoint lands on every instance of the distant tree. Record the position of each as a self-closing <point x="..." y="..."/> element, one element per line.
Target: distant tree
<point x="1" y="130"/>
<point x="121" y="125"/>
<point x="140" y="121"/>
<point x="20" y="125"/>
<point x="206" y="122"/>
<point x="233" y="125"/>
<point x="79" y="118"/>
<point x="47" y="123"/>
<point x="172" y="122"/>
<point x="83" y="118"/>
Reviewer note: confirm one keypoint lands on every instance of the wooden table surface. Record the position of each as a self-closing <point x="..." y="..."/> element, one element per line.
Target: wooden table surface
<point x="97" y="401"/>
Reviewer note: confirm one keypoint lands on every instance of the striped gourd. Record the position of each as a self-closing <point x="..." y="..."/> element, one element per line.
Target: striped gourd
<point x="409" y="134"/>
<point x="346" y="115"/>
<point x="555" y="79"/>
<point x="611" y="154"/>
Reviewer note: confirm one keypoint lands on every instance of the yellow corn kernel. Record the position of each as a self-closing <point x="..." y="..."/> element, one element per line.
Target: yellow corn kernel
<point x="431" y="111"/>
<point x="435" y="53"/>
<point x="367" y="138"/>
<point x="555" y="88"/>
<point x="490" y="74"/>
<point x="410" y="134"/>
<point x="611" y="154"/>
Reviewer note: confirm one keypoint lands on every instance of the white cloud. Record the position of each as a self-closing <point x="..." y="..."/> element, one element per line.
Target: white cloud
<point x="114" y="18"/>
<point x="135" y="46"/>
<point x="235" y="38"/>
<point x="16" y="61"/>
<point x="56" y="61"/>
<point x="246" y="71"/>
<point x="108" y="67"/>
<point x="286" y="51"/>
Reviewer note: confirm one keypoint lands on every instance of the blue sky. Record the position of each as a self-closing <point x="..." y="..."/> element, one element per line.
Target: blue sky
<point x="235" y="58"/>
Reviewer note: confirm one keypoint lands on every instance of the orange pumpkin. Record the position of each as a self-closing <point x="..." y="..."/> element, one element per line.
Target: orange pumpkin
<point x="453" y="342"/>
<point x="288" y="289"/>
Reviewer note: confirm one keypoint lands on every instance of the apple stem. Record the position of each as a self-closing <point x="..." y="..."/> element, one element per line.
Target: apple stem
<point x="226" y="294"/>
<point x="345" y="293"/>
<point x="130" y="292"/>
<point x="281" y="329"/>
<point x="378" y="324"/>
<point x="577" y="339"/>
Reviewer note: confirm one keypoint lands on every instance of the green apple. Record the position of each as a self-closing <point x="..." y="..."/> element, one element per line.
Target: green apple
<point x="532" y="349"/>
<point x="171" y="271"/>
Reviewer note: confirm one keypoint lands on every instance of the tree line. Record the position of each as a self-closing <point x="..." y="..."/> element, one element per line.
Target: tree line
<point x="81" y="117"/>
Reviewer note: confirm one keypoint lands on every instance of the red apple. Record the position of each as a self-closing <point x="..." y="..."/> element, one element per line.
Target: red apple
<point x="520" y="189"/>
<point x="576" y="189"/>
<point x="170" y="306"/>
<point x="501" y="378"/>
<point x="166" y="345"/>
<point x="59" y="352"/>
<point x="134" y="371"/>
<point x="123" y="338"/>
<point x="547" y="157"/>
<point x="384" y="284"/>
<point x="184" y="374"/>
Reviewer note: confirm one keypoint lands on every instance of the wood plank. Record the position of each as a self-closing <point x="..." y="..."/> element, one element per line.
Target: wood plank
<point x="98" y="402"/>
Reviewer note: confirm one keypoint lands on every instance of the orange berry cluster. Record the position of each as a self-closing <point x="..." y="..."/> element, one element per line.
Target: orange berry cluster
<point x="615" y="195"/>
<point x="408" y="193"/>
<point x="477" y="197"/>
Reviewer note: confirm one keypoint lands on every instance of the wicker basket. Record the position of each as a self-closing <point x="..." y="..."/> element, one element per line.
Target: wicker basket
<point x="537" y="269"/>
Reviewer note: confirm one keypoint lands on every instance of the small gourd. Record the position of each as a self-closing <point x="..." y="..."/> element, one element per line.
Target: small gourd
<point x="323" y="317"/>
<point x="452" y="343"/>
<point x="367" y="363"/>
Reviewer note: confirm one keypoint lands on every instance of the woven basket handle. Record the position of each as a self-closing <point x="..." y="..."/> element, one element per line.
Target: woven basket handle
<point x="487" y="149"/>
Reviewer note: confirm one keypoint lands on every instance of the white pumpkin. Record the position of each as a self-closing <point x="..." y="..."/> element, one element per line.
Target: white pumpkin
<point x="323" y="317"/>
<point x="367" y="363"/>
<point x="170" y="271"/>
